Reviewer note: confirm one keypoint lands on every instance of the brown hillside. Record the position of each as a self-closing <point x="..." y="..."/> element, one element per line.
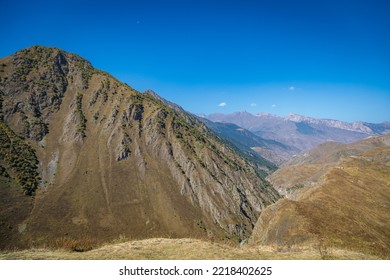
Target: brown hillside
<point x="306" y="169"/>
<point x="349" y="208"/>
<point x="112" y="161"/>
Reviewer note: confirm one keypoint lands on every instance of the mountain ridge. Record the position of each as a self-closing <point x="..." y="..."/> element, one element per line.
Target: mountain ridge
<point x="113" y="161"/>
<point x="271" y="150"/>
<point x="357" y="126"/>
<point x="301" y="132"/>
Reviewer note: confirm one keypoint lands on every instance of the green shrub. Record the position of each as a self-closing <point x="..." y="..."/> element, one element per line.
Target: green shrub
<point x="82" y="120"/>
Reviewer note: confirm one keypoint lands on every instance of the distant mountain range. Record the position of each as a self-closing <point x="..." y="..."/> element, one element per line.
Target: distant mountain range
<point x="274" y="151"/>
<point x="295" y="133"/>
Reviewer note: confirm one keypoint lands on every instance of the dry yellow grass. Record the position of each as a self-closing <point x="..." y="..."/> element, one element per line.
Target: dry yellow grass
<point x="348" y="209"/>
<point x="183" y="249"/>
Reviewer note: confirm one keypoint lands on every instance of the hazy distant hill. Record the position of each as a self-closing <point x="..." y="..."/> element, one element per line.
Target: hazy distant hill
<point x="253" y="144"/>
<point x="300" y="132"/>
<point x="84" y="155"/>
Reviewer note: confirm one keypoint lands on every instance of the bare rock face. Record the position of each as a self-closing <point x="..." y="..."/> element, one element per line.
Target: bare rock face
<point x="113" y="161"/>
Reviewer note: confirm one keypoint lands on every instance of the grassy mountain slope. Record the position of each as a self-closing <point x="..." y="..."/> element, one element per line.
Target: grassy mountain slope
<point x="113" y="161"/>
<point x="348" y="208"/>
<point x="306" y="169"/>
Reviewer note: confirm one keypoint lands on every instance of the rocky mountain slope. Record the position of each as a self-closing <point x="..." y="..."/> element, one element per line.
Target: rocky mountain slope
<point x="299" y="132"/>
<point x="347" y="207"/>
<point x="83" y="154"/>
<point x="262" y="164"/>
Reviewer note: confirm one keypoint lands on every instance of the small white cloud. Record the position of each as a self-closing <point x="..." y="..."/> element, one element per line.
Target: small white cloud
<point x="253" y="104"/>
<point x="292" y="88"/>
<point x="222" y="104"/>
<point x="273" y="105"/>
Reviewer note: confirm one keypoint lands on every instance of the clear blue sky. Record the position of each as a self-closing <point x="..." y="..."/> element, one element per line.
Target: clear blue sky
<point x="328" y="59"/>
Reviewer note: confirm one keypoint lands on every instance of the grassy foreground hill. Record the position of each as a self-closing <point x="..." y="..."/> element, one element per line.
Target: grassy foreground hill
<point x="185" y="249"/>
